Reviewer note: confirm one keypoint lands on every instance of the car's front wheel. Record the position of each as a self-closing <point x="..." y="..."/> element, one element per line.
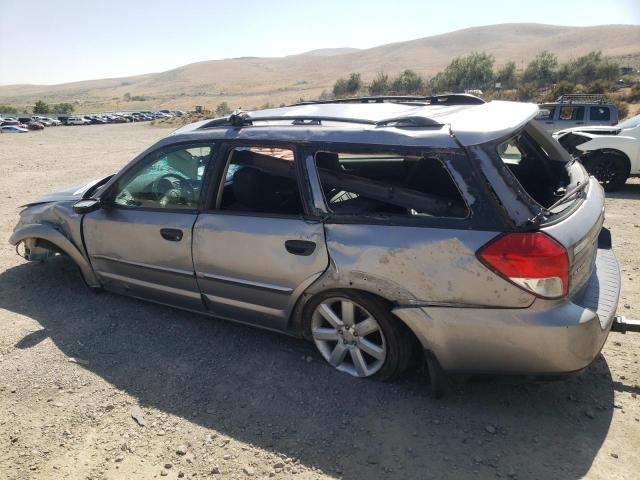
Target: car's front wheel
<point x="356" y="334"/>
<point x="610" y="170"/>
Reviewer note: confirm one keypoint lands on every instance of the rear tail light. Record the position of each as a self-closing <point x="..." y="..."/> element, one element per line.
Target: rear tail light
<point x="533" y="261"/>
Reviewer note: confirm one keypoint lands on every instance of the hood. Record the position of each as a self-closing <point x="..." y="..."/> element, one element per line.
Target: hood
<point x="68" y="195"/>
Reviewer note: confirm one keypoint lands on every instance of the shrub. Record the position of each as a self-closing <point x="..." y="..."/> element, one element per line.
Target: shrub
<point x="408" y="83"/>
<point x="541" y="70"/>
<point x="380" y="85"/>
<point x="41" y="107"/>
<point x="474" y="71"/>
<point x="345" y="87"/>
<point x="8" y="109"/>
<point x="222" y="109"/>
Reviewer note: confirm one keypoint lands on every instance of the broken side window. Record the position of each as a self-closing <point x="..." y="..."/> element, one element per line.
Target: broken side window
<point x="382" y="183"/>
<point x="541" y="176"/>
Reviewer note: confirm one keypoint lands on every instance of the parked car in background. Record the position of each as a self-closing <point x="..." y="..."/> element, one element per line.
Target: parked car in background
<point x="33" y="125"/>
<point x="611" y="154"/>
<point x="78" y="121"/>
<point x="577" y="111"/>
<point x="46" y="121"/>
<point x="376" y="228"/>
<point x="13" y="129"/>
<point x="13" y="123"/>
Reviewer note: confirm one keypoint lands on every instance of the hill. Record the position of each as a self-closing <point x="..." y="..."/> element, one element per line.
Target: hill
<point x="254" y="81"/>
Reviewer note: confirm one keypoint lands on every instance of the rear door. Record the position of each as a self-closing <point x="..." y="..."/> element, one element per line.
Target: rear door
<point x="253" y="251"/>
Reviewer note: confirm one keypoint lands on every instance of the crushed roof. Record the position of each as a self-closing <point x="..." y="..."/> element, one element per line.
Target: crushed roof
<point x="470" y="124"/>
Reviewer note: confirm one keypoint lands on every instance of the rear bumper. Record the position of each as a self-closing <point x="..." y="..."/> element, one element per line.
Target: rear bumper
<point x="546" y="338"/>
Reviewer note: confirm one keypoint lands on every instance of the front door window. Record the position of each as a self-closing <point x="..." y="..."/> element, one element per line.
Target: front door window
<point x="171" y="179"/>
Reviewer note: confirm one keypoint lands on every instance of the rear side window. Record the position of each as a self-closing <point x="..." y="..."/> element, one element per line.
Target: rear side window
<point x="385" y="184"/>
<point x="260" y="180"/>
<point x="599" y="113"/>
<point x="571" y="113"/>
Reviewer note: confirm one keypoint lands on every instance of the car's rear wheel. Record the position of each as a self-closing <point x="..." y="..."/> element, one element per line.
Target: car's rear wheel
<point x="609" y="169"/>
<point x="357" y="335"/>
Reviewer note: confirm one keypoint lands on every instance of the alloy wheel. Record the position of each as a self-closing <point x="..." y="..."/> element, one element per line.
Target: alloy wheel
<point x="348" y="337"/>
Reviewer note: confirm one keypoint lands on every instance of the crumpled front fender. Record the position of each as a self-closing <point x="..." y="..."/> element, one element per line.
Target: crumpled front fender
<point x="50" y="234"/>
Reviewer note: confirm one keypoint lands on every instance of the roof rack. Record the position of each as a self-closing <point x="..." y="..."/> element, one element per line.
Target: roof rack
<point x="243" y="119"/>
<point x="582" y="98"/>
<point x="450" y="99"/>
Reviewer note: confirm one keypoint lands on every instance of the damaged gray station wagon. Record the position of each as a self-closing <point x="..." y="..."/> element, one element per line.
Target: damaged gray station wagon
<point x="379" y="228"/>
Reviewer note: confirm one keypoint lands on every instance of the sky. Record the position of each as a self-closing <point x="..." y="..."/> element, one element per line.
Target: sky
<point x="48" y="42"/>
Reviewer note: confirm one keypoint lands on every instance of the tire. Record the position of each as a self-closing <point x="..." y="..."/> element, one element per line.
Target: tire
<point x="380" y="349"/>
<point x="610" y="170"/>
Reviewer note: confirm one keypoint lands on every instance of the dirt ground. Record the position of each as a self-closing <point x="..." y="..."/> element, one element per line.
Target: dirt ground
<point x="221" y="400"/>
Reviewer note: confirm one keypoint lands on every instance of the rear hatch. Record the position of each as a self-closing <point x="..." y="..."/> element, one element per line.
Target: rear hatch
<point x="578" y="232"/>
<point x="557" y="197"/>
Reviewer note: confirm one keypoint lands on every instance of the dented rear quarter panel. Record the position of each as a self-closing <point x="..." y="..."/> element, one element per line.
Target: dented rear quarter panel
<point x="416" y="265"/>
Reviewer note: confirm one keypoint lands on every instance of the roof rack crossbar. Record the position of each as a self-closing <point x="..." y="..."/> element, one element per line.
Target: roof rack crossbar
<point x="450" y="99"/>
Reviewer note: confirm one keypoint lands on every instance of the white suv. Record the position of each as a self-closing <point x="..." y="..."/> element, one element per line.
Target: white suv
<point x="611" y="154"/>
<point x="77" y="121"/>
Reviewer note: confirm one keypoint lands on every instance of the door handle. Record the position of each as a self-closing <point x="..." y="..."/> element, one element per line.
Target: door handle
<point x="300" y="247"/>
<point x="171" y="234"/>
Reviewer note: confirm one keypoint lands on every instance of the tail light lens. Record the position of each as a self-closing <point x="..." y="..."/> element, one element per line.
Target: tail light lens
<point x="533" y="261"/>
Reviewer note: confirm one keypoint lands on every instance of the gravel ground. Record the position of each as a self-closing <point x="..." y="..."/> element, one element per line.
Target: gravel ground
<point x="222" y="400"/>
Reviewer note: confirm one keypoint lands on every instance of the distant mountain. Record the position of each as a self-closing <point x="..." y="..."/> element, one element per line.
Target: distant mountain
<point x="253" y="81"/>
<point x="328" y="52"/>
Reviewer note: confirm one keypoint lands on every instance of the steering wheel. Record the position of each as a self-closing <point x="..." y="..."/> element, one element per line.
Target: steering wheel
<point x="171" y="188"/>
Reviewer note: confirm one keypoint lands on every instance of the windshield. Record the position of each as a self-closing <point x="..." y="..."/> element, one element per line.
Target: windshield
<point x="630" y="123"/>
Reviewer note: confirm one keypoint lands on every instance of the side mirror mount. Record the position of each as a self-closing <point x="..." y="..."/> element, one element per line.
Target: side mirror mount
<point x="86" y="205"/>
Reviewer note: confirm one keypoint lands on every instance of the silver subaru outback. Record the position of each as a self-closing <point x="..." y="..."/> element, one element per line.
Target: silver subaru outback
<point x="379" y="228"/>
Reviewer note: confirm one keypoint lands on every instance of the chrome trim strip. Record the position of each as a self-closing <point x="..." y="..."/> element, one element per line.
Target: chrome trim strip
<point x="245" y="283"/>
<point x="186" y="273"/>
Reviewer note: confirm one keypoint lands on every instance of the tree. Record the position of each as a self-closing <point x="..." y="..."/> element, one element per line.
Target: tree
<point x="41" y="107"/>
<point x="223" y="109"/>
<point x="541" y="70"/>
<point x="345" y="87"/>
<point x="588" y="68"/>
<point x="408" y="83"/>
<point x="64" y="108"/>
<point x="8" y="109"/>
<point x="127" y="97"/>
<point x="506" y="75"/>
<point x="379" y="85"/>
<point x="474" y="71"/>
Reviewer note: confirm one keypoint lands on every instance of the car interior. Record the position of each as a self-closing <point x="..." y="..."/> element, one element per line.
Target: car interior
<point x="264" y="181"/>
<point x="387" y="184"/>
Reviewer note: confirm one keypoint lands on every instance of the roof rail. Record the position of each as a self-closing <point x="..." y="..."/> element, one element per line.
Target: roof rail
<point x="582" y="98"/>
<point x="242" y="119"/>
<point x="450" y="99"/>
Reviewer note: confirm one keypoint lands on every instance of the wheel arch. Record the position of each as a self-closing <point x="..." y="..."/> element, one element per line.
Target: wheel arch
<point x="54" y="237"/>
<point x="296" y="321"/>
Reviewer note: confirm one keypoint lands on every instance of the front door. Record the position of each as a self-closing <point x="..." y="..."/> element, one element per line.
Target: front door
<point x="140" y="243"/>
<point x="253" y="251"/>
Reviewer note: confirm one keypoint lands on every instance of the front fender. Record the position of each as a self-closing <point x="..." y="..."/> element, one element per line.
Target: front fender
<point x="630" y="147"/>
<point x="50" y="234"/>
